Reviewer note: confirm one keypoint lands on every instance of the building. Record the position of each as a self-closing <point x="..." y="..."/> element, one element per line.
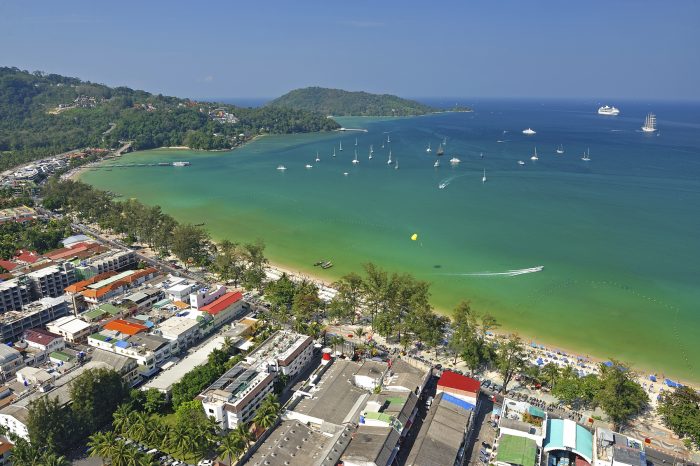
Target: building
<point x="180" y="290"/>
<point x="44" y="340"/>
<point x="71" y="328"/>
<point x="14" y="323"/>
<point x="225" y="308"/>
<point x="371" y="446"/>
<point x="516" y="451"/>
<point x="405" y="377"/>
<point x="615" y="449"/>
<point x="10" y="362"/>
<point x="52" y="281"/>
<point x="149" y="351"/>
<point x="183" y="330"/>
<point x="34" y="376"/>
<point x="21" y="214"/>
<point x="521" y="419"/>
<point x="144" y="299"/>
<point x="460" y="386"/>
<point x="114" y="285"/>
<point x="204" y="296"/>
<point x="125" y="327"/>
<point x="370" y="374"/>
<point x="126" y="366"/>
<point x="5" y="451"/>
<point x="14" y="294"/>
<point x="235" y="397"/>
<point x="113" y="261"/>
<point x="567" y="443"/>
<point x="444" y="434"/>
<point x="14" y="417"/>
<point x="74" y="291"/>
<point x="387" y="409"/>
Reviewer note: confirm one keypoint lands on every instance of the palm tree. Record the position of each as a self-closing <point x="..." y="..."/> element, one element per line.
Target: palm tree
<point x="265" y="419"/>
<point x="122" y="418"/>
<point x="24" y="454"/>
<point x="242" y="432"/>
<point x="155" y="432"/>
<point x="122" y="454"/>
<point x="550" y="371"/>
<point x="359" y="333"/>
<point x="101" y="444"/>
<point x="271" y="403"/>
<point x="179" y="438"/>
<point x="50" y="459"/>
<point x="231" y="446"/>
<point x="138" y="430"/>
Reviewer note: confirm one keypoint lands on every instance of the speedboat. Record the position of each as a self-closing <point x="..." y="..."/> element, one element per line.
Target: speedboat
<point x="520" y="162"/>
<point x="308" y="165"/>
<point x="281" y="168"/>
<point x="428" y="149"/>
<point x="454" y="160"/>
<point x="529" y="131"/>
<point x="442" y="185"/>
<point x="345" y="173"/>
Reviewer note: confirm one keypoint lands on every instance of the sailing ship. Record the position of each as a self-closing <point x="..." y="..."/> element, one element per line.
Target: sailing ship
<point x="586" y="155"/>
<point x="341" y="146"/>
<point x="454" y="161"/>
<point x="440" y="150"/>
<point x="355" y="161"/>
<point x="560" y="149"/>
<point x="437" y="163"/>
<point x="281" y="168"/>
<point x="483" y="179"/>
<point x="389" y="162"/>
<point x="317" y="158"/>
<point x="334" y="152"/>
<point x="428" y="149"/>
<point x="649" y="123"/>
<point x="534" y="156"/>
<point x="388" y="138"/>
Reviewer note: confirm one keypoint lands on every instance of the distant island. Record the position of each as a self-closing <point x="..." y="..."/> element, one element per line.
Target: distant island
<point x="46" y="114"/>
<point x="337" y="102"/>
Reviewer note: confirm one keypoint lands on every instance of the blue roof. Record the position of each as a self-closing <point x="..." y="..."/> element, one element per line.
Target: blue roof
<point x="122" y="344"/>
<point x="457" y="401"/>
<point x="578" y="439"/>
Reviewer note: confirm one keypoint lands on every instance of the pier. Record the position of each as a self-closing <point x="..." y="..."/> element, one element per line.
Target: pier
<point x="132" y="165"/>
<point x="361" y="130"/>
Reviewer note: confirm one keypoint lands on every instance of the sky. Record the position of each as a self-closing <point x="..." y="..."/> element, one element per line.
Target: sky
<point x="598" y="49"/>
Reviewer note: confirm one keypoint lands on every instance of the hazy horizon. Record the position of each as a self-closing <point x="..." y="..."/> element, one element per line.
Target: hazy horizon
<point x="610" y="51"/>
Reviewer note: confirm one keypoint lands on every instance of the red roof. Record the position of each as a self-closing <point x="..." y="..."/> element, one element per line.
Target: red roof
<point x="455" y="381"/>
<point x="223" y="302"/>
<point x="8" y="265"/>
<point x="27" y="256"/>
<point x="40" y="336"/>
<point x="125" y="327"/>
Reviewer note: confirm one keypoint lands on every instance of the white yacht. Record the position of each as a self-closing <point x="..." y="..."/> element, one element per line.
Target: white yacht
<point x="437" y="163"/>
<point x="317" y="158"/>
<point x="586" y="155"/>
<point x="444" y="141"/>
<point x="454" y="160"/>
<point x="308" y="165"/>
<point x="281" y="168"/>
<point x="371" y="149"/>
<point x="389" y="162"/>
<point x="520" y="162"/>
<point x="345" y="173"/>
<point x="483" y="178"/>
<point x="355" y="161"/>
<point x="341" y="146"/>
<point x="388" y="138"/>
<point x="334" y="152"/>
<point x="607" y="110"/>
<point x="560" y="149"/>
<point x="370" y="154"/>
<point x="443" y="185"/>
<point x="529" y="131"/>
<point x="428" y="149"/>
<point x="649" y="123"/>
<point x="534" y="156"/>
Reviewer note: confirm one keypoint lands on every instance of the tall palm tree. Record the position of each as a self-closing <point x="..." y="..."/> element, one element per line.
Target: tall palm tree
<point x="179" y="438"/>
<point x="231" y="446"/>
<point x="550" y="371"/>
<point x="271" y="404"/>
<point x="122" y="454"/>
<point x="122" y="418"/>
<point x="359" y="332"/>
<point x="101" y="444"/>
<point x="138" y="429"/>
<point x="50" y="459"/>
<point x="155" y="432"/>
<point x="242" y="432"/>
<point x="265" y="418"/>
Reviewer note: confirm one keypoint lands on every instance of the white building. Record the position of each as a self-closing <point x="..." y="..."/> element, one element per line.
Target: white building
<point x="112" y="261"/>
<point x="52" y="281"/>
<point x="10" y="362"/>
<point x="204" y="296"/>
<point x="180" y="291"/>
<point x="13" y="295"/>
<point x="615" y="449"/>
<point x="71" y="328"/>
<point x="183" y="330"/>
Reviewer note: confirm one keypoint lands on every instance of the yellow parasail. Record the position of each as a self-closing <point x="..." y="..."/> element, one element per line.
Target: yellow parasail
<point x="414" y="236"/>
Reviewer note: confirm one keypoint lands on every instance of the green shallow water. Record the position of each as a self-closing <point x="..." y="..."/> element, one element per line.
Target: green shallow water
<point x="617" y="236"/>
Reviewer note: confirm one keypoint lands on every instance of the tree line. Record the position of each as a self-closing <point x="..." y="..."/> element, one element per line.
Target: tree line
<point x="29" y="130"/>
<point x="38" y="235"/>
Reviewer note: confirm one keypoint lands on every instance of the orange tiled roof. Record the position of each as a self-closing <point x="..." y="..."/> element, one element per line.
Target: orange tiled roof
<point x="139" y="274"/>
<point x="99" y="292"/>
<point x="181" y="304"/>
<point x="80" y="286"/>
<point x="122" y="326"/>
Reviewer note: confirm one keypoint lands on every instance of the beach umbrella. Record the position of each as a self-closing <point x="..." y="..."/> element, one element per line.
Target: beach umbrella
<point x="652" y="378"/>
<point x="608" y="363"/>
<point x="414" y="236"/>
<point x="540" y="361"/>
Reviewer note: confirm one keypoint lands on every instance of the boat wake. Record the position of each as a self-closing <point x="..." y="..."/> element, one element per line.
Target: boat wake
<point x="507" y="273"/>
<point x="446" y="182"/>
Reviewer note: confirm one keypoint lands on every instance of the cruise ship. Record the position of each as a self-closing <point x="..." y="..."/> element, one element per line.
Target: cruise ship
<point x="607" y="110"/>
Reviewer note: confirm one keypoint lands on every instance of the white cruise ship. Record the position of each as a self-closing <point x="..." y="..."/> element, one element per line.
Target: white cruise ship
<point x="529" y="131"/>
<point x="607" y="110"/>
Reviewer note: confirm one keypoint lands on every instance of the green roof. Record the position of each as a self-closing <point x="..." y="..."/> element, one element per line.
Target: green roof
<point x="535" y="411"/>
<point x="517" y="450"/>
<point x="162" y="303"/>
<point x="378" y="416"/>
<point x="94" y="313"/>
<point x="60" y="355"/>
<point x="110" y="309"/>
<point x="98" y="336"/>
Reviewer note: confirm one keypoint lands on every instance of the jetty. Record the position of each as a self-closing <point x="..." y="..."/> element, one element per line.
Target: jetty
<point x="132" y="165"/>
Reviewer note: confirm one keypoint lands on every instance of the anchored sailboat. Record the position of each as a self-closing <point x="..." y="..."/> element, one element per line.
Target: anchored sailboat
<point x="428" y="149"/>
<point x="355" y="161"/>
<point x="389" y="162"/>
<point x="534" y="156"/>
<point x="586" y="155"/>
<point x="483" y="179"/>
<point x="560" y="149"/>
<point x="649" y="123"/>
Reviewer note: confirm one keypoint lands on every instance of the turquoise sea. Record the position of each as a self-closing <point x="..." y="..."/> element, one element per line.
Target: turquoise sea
<point x="617" y="236"/>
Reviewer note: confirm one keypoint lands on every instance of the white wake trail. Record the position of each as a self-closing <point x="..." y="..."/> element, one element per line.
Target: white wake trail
<point x="507" y="273"/>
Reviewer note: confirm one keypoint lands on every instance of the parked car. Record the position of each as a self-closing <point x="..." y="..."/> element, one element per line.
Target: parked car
<point x="205" y="463"/>
<point x="429" y="402"/>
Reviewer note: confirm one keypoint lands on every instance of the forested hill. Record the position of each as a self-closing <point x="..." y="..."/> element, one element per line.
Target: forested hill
<point x="337" y="102"/>
<point x="44" y="114"/>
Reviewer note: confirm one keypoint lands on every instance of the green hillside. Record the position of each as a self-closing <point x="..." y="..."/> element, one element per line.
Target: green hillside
<point x="337" y="102"/>
<point x="45" y="114"/>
